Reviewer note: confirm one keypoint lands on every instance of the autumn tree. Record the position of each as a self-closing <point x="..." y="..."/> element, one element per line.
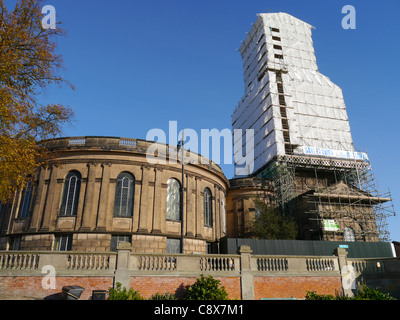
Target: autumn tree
<point x="269" y="223"/>
<point x="28" y="65"/>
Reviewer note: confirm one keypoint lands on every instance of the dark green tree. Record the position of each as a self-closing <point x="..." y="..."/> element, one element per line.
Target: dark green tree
<point x="269" y="223"/>
<point x="206" y="288"/>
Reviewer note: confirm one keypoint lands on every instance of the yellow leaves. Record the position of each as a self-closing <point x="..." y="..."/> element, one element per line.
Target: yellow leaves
<point x="28" y="63"/>
<point x="18" y="160"/>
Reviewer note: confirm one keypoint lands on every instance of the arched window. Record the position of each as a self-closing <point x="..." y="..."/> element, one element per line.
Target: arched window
<point x="173" y="200"/>
<point x="349" y="234"/>
<point x="124" y="194"/>
<point x="25" y="201"/>
<point x="207" y="208"/>
<point x="70" y="199"/>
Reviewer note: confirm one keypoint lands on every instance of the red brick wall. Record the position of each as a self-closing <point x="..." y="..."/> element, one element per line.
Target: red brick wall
<point x="296" y="287"/>
<point x="147" y="286"/>
<point x="264" y="287"/>
<point x="32" y="286"/>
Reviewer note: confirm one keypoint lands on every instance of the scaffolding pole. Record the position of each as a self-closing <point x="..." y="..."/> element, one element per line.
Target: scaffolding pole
<point x="367" y="208"/>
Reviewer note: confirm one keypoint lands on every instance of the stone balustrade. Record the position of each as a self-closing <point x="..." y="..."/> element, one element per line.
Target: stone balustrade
<point x="175" y="263"/>
<point x="127" y="144"/>
<point x="19" y="261"/>
<point x="89" y="262"/>
<point x="124" y="264"/>
<point x="272" y="264"/>
<point x="156" y="263"/>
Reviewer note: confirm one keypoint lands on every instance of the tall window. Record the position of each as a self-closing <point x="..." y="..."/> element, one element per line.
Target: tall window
<point x="63" y="243"/>
<point x="16" y="243"/>
<point x="207" y="208"/>
<point x="124" y="194"/>
<point x="116" y="239"/>
<point x="349" y="234"/>
<point x="25" y="201"/>
<point x="173" y="200"/>
<point x="70" y="199"/>
<point x="173" y="245"/>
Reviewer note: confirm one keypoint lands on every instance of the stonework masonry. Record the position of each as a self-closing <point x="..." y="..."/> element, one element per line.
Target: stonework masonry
<point x="277" y="287"/>
<point x="87" y="217"/>
<point x="83" y="211"/>
<point x="244" y="275"/>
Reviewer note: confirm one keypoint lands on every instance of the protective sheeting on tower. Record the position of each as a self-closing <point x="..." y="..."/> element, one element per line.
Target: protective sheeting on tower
<point x="292" y="107"/>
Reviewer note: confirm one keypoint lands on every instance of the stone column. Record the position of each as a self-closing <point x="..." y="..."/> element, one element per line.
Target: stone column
<point x="163" y="202"/>
<point x="190" y="207"/>
<point x="144" y="197"/>
<point x="122" y="273"/>
<point x="245" y="216"/>
<point x="185" y="209"/>
<point x="37" y="208"/>
<point x="347" y="273"/>
<point x="223" y="214"/>
<point x="199" y="209"/>
<point x="235" y="216"/>
<point x="89" y="198"/>
<point x="157" y="200"/>
<point x="50" y="199"/>
<point x="215" y="215"/>
<point x="246" y="279"/>
<point x="105" y="183"/>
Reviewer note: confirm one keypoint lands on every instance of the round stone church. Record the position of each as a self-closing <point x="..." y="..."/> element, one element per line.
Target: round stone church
<point x="95" y="192"/>
<point x="98" y="191"/>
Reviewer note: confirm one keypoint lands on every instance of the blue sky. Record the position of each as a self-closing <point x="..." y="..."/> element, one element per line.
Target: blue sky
<point x="136" y="65"/>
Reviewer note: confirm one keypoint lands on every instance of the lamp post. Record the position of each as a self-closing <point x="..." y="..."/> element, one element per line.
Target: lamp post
<point x="181" y="145"/>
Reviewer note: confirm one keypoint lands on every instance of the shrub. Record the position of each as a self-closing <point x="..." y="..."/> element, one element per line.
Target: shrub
<point x="312" y="295"/>
<point x="363" y="293"/>
<point x="164" y="296"/>
<point x="206" y="289"/>
<point x="269" y="223"/>
<point x="123" y="294"/>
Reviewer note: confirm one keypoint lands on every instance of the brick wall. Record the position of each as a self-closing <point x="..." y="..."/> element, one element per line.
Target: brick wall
<point x="243" y="276"/>
<point x="147" y="286"/>
<point x="264" y="287"/>
<point x="294" y="287"/>
<point x="25" y="286"/>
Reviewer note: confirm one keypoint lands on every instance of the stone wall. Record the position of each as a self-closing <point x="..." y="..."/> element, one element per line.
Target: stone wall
<point x="245" y="276"/>
<point x="99" y="161"/>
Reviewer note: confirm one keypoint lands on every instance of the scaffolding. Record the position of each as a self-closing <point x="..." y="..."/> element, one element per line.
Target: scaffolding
<point x="341" y="190"/>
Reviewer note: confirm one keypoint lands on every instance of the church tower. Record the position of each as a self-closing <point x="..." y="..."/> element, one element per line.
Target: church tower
<point x="302" y="138"/>
<point x="292" y="107"/>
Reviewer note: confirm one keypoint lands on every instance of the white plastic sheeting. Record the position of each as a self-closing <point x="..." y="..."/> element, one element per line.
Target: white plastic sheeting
<point x="316" y="112"/>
